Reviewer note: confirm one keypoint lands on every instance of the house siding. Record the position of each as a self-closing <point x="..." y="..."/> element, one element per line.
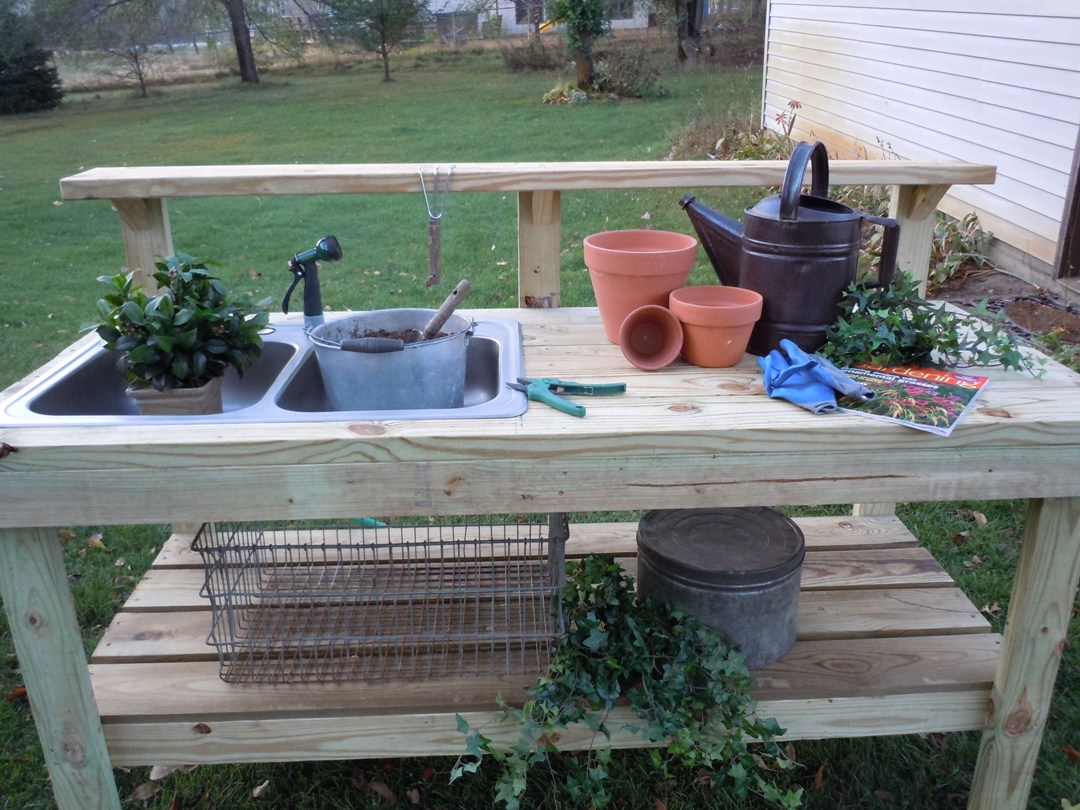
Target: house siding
<point x="986" y="81"/>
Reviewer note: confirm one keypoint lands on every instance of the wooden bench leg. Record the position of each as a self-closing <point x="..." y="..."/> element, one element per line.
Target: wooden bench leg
<point x="914" y="208"/>
<point x="1035" y="636"/>
<point x="539" y="254"/>
<point x="41" y="615"/>
<point x="147" y="235"/>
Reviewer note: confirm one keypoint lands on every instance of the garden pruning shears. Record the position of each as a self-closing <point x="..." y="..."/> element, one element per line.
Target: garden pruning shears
<point x="548" y="390"/>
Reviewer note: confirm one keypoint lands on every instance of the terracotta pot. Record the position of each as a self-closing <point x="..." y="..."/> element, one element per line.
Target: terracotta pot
<point x="651" y="337"/>
<point x="631" y="269"/>
<point x="179" y="401"/>
<point x="717" y="322"/>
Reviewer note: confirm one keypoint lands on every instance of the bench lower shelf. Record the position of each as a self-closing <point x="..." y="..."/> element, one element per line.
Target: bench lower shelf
<point x="887" y="644"/>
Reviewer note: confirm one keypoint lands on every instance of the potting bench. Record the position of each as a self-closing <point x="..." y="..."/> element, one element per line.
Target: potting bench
<point x="887" y="643"/>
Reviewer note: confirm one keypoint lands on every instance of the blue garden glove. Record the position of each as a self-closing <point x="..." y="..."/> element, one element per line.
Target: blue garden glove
<point x="827" y="373"/>
<point x="807" y="380"/>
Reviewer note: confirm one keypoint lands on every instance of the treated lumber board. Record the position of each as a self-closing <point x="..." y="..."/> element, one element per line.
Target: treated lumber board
<point x="619" y="538"/>
<point x="1041" y="607"/>
<point x="43" y="626"/>
<point x="173" y="589"/>
<point x="148" y="182"/>
<point x="554" y="479"/>
<point x="134" y="637"/>
<point x="834" y="668"/>
<point x="351" y="737"/>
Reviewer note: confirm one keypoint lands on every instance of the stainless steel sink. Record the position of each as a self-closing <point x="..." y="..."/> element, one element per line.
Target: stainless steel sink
<point x="284" y="385"/>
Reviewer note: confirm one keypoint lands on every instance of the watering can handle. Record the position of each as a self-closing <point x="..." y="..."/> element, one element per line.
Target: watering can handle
<point x="818" y="157"/>
<point x="889" y="245"/>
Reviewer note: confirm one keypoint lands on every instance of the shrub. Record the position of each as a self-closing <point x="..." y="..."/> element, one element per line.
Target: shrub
<point x="28" y="83"/>
<point x="629" y="73"/>
<point x="531" y="55"/>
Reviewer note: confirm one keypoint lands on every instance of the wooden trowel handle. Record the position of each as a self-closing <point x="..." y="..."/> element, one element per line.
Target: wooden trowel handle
<point x="456" y="296"/>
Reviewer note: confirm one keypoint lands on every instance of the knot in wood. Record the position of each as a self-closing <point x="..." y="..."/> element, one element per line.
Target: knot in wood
<point x="73" y="751"/>
<point x="684" y="408"/>
<point x="367" y="430"/>
<point x="34" y="620"/>
<point x="1019" y="719"/>
<point x="201" y="728"/>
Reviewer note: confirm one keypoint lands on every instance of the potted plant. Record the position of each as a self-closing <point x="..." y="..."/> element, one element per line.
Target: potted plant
<point x="175" y="346"/>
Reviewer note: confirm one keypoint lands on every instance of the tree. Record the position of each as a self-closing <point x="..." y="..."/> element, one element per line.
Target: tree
<point x="241" y="35"/>
<point x="584" y="22"/>
<point x="28" y="83"/>
<point x="378" y="25"/>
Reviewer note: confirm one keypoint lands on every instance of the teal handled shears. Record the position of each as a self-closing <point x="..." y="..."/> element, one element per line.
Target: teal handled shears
<point x="548" y="390"/>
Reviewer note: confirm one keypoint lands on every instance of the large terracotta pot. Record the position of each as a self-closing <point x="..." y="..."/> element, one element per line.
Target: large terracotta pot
<point x="634" y="268"/>
<point x="717" y="322"/>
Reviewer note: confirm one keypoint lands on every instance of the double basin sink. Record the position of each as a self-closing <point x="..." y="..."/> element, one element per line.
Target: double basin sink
<point x="283" y="385"/>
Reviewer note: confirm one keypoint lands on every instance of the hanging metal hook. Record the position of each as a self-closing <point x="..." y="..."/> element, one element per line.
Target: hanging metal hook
<point x="434" y="218"/>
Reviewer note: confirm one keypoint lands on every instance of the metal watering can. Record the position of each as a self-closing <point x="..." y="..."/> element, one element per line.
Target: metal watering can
<point x="799" y="251"/>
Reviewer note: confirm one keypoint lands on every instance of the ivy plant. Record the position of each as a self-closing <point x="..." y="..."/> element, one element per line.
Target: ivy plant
<point x="894" y="325"/>
<point x="688" y="689"/>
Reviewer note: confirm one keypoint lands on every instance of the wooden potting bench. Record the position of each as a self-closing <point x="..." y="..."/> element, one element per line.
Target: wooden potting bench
<point x="887" y="643"/>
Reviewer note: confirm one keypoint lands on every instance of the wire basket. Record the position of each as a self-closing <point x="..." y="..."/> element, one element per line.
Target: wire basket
<point x="478" y="596"/>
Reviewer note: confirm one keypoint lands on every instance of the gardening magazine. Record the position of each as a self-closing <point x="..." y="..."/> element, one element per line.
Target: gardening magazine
<point x="928" y="399"/>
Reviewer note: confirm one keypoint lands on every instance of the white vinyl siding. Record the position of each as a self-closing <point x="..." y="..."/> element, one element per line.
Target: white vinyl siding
<point x="986" y="81"/>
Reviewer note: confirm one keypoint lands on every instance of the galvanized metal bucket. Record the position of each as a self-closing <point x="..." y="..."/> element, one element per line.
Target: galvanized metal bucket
<point x="422" y="375"/>
<point x="737" y="570"/>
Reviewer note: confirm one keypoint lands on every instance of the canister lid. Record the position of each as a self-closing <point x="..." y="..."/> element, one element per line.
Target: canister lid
<point x="725" y="547"/>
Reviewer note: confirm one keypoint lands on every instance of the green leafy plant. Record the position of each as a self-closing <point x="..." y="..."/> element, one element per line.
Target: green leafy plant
<point x="183" y="337"/>
<point x="686" y="686"/>
<point x="629" y="73"/>
<point x="955" y="243"/>
<point x="895" y="325"/>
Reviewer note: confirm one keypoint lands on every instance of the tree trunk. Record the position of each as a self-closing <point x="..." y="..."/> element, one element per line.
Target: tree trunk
<point x="583" y="62"/>
<point x="384" y="51"/>
<point x="690" y="22"/>
<point x="245" y="54"/>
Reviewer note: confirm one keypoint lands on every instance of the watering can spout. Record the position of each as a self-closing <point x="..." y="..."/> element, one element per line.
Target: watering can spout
<point x="721" y="236"/>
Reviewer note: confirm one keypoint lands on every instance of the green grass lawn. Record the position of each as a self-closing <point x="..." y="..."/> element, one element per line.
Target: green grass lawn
<point x="441" y="108"/>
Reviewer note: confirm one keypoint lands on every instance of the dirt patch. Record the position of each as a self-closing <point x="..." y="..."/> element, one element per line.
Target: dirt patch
<point x="1039" y="318"/>
<point x="1031" y="311"/>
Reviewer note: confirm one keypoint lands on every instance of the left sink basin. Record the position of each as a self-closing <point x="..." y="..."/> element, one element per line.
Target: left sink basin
<point x="281" y="386"/>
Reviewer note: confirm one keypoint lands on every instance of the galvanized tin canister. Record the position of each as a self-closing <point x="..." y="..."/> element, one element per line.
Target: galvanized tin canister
<point x="737" y="570"/>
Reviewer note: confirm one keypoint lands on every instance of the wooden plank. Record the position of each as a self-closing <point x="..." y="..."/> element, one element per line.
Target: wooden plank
<point x="575" y="475"/>
<point x="833" y="668"/>
<point x="45" y="631"/>
<point x="135" y="637"/>
<point x="1037" y="631"/>
<point x="147" y="182"/>
<point x="620" y="538"/>
<point x="350" y="737"/>
<point x="539" y="243"/>
<point x="147" y="235"/>
<point x="178" y="589"/>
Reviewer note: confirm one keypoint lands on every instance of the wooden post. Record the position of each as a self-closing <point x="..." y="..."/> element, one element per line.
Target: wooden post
<point x="539" y="255"/>
<point x="1035" y="636"/>
<point x="147" y="235"/>
<point x="41" y="615"/>
<point x="914" y="207"/>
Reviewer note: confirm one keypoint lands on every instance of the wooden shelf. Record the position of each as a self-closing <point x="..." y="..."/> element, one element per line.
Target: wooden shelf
<point x="887" y="644"/>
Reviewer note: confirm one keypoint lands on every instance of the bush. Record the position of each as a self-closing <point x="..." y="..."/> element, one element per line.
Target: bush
<point x="28" y="83"/>
<point x="531" y="55"/>
<point x="629" y="73"/>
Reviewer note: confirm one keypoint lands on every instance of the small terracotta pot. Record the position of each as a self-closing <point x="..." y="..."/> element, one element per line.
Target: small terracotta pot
<point x="651" y="337"/>
<point x="717" y="322"/>
<point x="634" y="268"/>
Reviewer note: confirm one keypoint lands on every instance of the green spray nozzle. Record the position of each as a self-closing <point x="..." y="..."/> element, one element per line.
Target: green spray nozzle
<point x="327" y="250"/>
